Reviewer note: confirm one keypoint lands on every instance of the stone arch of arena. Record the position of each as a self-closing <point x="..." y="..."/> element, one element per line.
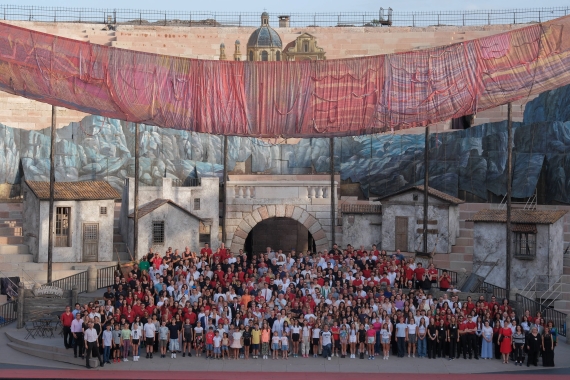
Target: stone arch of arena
<point x="262" y="213"/>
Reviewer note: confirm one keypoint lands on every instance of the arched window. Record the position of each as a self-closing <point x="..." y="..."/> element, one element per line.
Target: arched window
<point x="278" y="56"/>
<point x="306" y="46"/>
<point x="251" y="55"/>
<point x="264" y="56"/>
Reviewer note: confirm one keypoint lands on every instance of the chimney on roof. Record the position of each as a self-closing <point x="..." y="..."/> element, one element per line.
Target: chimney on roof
<point x="284" y="21"/>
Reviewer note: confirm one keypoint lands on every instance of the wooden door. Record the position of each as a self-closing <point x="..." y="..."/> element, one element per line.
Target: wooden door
<point x="402" y="233"/>
<point x="90" y="242"/>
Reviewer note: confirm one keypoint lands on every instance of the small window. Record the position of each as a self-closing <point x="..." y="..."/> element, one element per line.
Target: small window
<point x="278" y="56"/>
<point x="62" y="223"/>
<point x="251" y="55"/>
<point x="204" y="233"/>
<point x="264" y="56"/>
<point x="415" y="197"/>
<point x="306" y="46"/>
<point x="158" y="232"/>
<point x="524" y="244"/>
<point x="103" y="210"/>
<point x="196" y="204"/>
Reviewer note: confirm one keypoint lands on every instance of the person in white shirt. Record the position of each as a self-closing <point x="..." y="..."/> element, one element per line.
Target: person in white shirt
<point x="149" y="334"/>
<point x="92" y="345"/>
<point x="136" y="336"/>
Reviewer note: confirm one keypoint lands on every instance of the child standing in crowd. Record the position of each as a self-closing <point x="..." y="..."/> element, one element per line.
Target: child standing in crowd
<point x="173" y="332"/>
<point x="210" y="343"/>
<point x="385" y="335"/>
<point x="255" y="340"/>
<point x="117" y="344"/>
<point x="275" y="345"/>
<point x="370" y="340"/>
<point x="149" y="332"/>
<point x="265" y="340"/>
<point x="126" y="341"/>
<point x="225" y="345"/>
<point x="285" y="346"/>
<point x="343" y="334"/>
<point x="107" y="343"/>
<point x="217" y="344"/>
<point x="136" y="335"/>
<point x="163" y="339"/>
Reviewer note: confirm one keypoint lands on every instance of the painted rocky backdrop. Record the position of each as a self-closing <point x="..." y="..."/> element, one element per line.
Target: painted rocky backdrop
<point x="473" y="160"/>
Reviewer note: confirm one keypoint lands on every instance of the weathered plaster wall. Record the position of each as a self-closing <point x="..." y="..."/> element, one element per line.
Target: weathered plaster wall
<point x="81" y="212"/>
<point x="405" y="205"/>
<point x="361" y="229"/>
<point x="490" y="247"/>
<point x="180" y="230"/>
<point x="208" y="193"/>
<point x="31" y="221"/>
<point x="556" y="249"/>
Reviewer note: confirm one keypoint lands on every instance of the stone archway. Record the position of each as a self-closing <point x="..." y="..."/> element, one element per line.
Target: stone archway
<point x="262" y="213"/>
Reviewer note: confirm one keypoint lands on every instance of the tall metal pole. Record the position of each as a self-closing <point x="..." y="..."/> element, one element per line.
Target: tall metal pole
<point x="225" y="188"/>
<point x="332" y="194"/>
<point x="136" y="212"/>
<point x="509" y="194"/>
<point x="51" y="192"/>
<point x="426" y="187"/>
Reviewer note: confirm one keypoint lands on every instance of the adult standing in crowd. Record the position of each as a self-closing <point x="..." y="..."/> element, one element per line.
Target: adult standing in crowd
<point x="66" y="320"/>
<point x="92" y="345"/>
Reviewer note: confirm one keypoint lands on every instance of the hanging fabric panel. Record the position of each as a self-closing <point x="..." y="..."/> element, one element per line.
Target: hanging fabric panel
<point x="289" y="99"/>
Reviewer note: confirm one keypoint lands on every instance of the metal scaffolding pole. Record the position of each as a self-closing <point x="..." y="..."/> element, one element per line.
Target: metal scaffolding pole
<point x="51" y="193"/>
<point x="509" y="194"/>
<point x="426" y="192"/>
<point x="333" y="193"/>
<point x="224" y="210"/>
<point x="136" y="211"/>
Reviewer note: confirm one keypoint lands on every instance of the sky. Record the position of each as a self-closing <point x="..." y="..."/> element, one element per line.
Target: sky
<point x="296" y="6"/>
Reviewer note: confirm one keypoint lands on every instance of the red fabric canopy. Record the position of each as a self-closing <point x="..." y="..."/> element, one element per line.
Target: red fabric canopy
<point x="290" y="99"/>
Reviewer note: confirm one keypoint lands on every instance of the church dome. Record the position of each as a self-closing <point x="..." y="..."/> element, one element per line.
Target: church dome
<point x="265" y="35"/>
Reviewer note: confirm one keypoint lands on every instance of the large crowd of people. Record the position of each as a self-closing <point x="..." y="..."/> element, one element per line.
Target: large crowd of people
<point x="349" y="303"/>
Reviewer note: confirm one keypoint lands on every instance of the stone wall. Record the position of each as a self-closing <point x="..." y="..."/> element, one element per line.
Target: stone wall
<point x="204" y="42"/>
<point x="305" y="199"/>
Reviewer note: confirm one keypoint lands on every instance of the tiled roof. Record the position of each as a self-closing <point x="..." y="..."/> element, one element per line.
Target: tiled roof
<point x="525" y="228"/>
<point x="360" y="209"/>
<point x="519" y="216"/>
<point x="431" y="191"/>
<point x="75" y="191"/>
<point x="149" y="207"/>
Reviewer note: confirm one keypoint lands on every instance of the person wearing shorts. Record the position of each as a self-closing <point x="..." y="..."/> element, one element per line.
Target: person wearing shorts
<point x="412" y="339"/>
<point x="149" y="330"/>
<point x="173" y="331"/>
<point x="163" y="339"/>
<point x="116" y="344"/>
<point x="295" y="338"/>
<point x="217" y="345"/>
<point x="275" y="343"/>
<point x="370" y="340"/>
<point x="187" y="330"/>
<point x="255" y="341"/>
<point x="210" y="343"/>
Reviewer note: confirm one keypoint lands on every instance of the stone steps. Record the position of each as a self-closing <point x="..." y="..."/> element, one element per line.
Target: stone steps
<point x="16" y="258"/>
<point x="11" y="249"/>
<point x="47" y="352"/>
<point x="11" y="240"/>
<point x="10" y="231"/>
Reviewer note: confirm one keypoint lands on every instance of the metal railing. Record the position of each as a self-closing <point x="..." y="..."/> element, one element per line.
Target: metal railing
<point x="494" y="290"/>
<point x="106" y="276"/>
<point x="252" y="19"/>
<point x="66" y="283"/>
<point x="8" y="313"/>
<point x="188" y="182"/>
<point x="557" y="317"/>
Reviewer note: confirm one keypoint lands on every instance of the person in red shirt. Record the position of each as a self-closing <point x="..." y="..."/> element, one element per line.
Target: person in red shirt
<point x="419" y="272"/>
<point x="210" y="343"/>
<point x="374" y="251"/>
<point x="444" y="281"/>
<point x="472" y="348"/>
<point x="66" y="319"/>
<point x="206" y="251"/>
